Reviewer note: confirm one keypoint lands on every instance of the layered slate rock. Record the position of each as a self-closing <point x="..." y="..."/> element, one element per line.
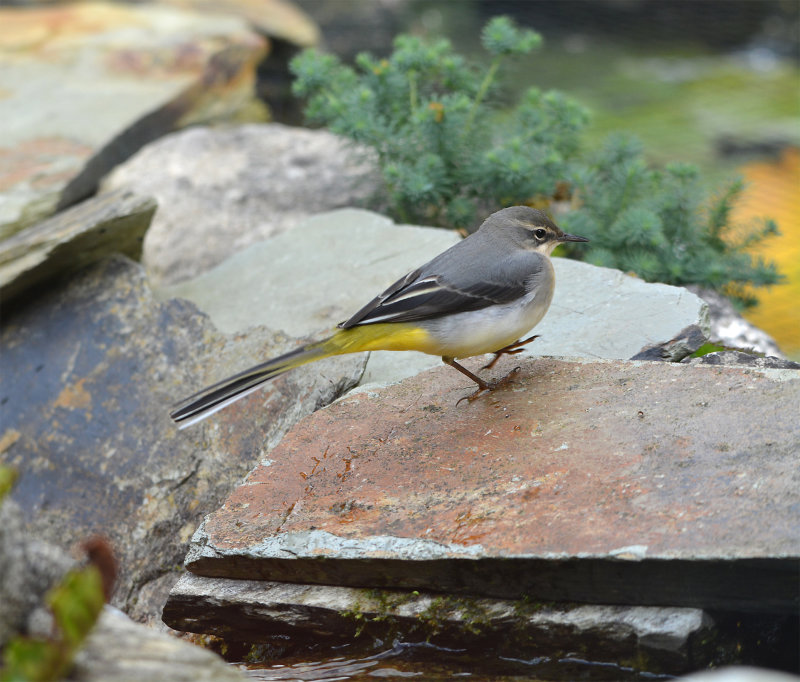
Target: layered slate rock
<point x="294" y="616"/>
<point x="89" y="374"/>
<point x="598" y="482"/>
<point x="72" y="239"/>
<point x="222" y="189"/>
<point x="308" y="280"/>
<point x="85" y="85"/>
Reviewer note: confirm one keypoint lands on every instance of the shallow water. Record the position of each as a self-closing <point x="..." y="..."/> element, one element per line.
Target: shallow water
<point x="429" y="662"/>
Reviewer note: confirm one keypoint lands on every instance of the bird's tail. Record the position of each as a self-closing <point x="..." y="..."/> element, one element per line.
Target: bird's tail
<point x="379" y="336"/>
<point x="197" y="407"/>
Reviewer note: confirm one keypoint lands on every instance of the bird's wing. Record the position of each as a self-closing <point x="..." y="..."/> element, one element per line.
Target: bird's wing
<point x="419" y="297"/>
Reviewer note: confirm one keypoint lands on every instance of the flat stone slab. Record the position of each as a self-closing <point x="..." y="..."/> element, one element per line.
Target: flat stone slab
<point x="255" y="611"/>
<point x="601" y="482"/>
<point x="84" y="85"/>
<point x="73" y="239"/>
<point x="310" y="279"/>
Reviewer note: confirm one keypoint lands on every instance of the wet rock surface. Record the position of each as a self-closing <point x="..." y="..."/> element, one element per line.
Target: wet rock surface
<point x="735" y="357"/>
<point x="600" y="482"/>
<point x="84" y="419"/>
<point x="266" y="612"/>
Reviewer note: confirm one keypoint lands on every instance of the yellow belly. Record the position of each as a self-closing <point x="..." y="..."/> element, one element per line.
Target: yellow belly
<point x="384" y="336"/>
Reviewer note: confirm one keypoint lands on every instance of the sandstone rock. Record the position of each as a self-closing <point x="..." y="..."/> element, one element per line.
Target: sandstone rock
<point x="308" y="280"/>
<point x="85" y="85"/>
<point x="73" y="239"/>
<point x="119" y="650"/>
<point x="274" y="18"/>
<point x="292" y="616"/>
<point x="599" y="482"/>
<point x="89" y="373"/>
<point x="222" y="189"/>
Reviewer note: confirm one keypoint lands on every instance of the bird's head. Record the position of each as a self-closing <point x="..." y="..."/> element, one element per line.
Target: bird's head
<point x="530" y="228"/>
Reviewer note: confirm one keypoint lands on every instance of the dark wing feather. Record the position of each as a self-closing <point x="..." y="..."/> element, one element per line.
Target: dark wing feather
<point x="378" y="300"/>
<point x="411" y="299"/>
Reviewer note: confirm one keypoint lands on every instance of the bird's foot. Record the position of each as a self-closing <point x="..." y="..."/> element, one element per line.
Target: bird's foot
<point x="489" y="386"/>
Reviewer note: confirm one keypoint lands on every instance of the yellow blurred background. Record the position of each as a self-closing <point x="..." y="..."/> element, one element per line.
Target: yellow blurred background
<point x="773" y="189"/>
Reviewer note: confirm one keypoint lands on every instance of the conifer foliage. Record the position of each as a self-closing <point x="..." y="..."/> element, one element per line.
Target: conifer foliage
<point x="663" y="225"/>
<point x="447" y="158"/>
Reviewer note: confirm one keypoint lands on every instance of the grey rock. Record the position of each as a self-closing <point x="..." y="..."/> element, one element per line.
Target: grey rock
<point x="268" y="612"/>
<point x="222" y="189"/>
<point x="728" y="328"/>
<point x="684" y="344"/>
<point x="89" y="373"/>
<point x="111" y="78"/>
<point x="602" y="313"/>
<point x="29" y="567"/>
<point x="73" y="239"/>
<point x="736" y="357"/>
<point x="119" y="650"/>
<point x="308" y="280"/>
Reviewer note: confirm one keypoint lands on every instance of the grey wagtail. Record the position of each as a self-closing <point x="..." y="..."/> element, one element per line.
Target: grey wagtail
<point x="479" y="296"/>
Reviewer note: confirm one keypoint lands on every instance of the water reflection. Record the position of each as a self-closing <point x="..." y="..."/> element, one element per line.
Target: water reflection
<point x="430" y="662"/>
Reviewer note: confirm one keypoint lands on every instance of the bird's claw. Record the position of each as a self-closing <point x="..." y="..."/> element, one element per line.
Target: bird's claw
<point x="489" y="386"/>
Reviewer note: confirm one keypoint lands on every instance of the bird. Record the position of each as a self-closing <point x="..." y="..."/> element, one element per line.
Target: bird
<point x="482" y="295"/>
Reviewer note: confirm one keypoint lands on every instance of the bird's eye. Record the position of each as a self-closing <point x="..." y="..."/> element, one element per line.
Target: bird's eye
<point x="540" y="233"/>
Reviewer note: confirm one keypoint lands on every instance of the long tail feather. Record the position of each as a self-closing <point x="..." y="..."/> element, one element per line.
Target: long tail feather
<point x="369" y="337"/>
<point x="197" y="407"/>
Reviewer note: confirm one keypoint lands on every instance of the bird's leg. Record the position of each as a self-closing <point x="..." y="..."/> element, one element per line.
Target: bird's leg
<point x="482" y="385"/>
<point x="511" y="349"/>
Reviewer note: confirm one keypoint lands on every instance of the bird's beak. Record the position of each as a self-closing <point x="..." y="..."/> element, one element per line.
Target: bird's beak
<point x="572" y="238"/>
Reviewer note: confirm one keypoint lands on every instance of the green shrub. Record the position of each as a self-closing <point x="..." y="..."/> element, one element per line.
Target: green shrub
<point x="448" y="158"/>
<point x="426" y="112"/>
<point x="662" y="225"/>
